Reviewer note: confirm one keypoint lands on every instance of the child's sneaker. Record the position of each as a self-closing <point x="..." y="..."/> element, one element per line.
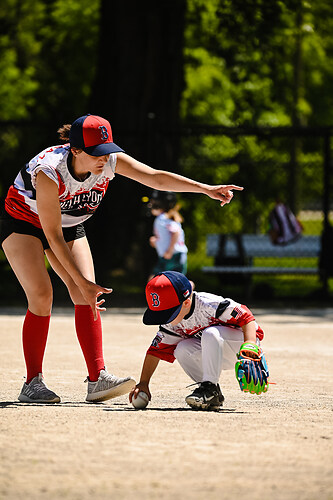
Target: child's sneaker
<point x="219" y="404"/>
<point x="37" y="392"/>
<point x="207" y="396"/>
<point x="107" y="387"/>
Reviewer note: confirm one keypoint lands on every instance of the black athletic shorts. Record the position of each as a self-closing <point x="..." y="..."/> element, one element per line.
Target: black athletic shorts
<point x="9" y="225"/>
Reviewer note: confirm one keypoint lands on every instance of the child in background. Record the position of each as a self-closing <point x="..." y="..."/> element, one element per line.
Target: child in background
<point x="169" y="238"/>
<point x="206" y="334"/>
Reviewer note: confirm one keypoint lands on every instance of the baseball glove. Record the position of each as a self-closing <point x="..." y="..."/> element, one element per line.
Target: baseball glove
<point x="251" y="369"/>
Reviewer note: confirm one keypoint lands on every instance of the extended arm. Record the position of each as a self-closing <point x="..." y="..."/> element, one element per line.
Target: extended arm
<point x="168" y="181"/>
<point x="148" y="368"/>
<point x="50" y="218"/>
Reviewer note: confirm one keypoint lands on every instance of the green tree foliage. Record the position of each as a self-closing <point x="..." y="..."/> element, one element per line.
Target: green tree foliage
<point x="240" y="61"/>
<point x="47" y="65"/>
<point x="247" y="64"/>
<point x="256" y="64"/>
<point x="70" y="36"/>
<point x="47" y="56"/>
<point x="19" y="52"/>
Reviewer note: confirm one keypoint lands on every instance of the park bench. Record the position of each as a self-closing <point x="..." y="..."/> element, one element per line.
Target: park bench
<point x="236" y="254"/>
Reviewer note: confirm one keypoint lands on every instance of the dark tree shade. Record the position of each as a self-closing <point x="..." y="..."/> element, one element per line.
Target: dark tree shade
<point x="138" y="86"/>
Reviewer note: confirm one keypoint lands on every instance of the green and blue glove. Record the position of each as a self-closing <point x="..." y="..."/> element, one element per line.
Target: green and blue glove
<point x="251" y="369"/>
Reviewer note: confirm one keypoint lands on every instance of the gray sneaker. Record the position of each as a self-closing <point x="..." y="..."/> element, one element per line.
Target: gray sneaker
<point x="108" y="386"/>
<point x="37" y="392"/>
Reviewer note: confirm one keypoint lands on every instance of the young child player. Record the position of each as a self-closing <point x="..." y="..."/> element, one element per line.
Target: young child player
<point x="206" y="334"/>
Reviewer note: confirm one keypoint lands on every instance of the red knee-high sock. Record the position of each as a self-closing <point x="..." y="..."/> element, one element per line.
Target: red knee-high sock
<point x="34" y="337"/>
<point x="89" y="334"/>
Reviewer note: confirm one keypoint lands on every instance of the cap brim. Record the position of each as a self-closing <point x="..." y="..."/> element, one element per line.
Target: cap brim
<point x="103" y="149"/>
<point x="161" y="317"/>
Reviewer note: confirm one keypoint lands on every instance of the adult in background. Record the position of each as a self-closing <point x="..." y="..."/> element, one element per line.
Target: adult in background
<point x="44" y="212"/>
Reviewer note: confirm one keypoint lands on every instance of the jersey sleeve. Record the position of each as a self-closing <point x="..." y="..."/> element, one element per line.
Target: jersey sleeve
<point x="110" y="167"/>
<point x="162" y="348"/>
<point x="235" y="314"/>
<point x="48" y="170"/>
<point x="46" y="162"/>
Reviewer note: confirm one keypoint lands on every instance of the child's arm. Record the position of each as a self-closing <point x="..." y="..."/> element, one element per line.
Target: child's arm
<point x="149" y="366"/>
<point x="250" y="332"/>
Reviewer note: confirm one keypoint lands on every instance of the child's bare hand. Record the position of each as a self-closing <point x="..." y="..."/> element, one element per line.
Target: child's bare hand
<point x="141" y="386"/>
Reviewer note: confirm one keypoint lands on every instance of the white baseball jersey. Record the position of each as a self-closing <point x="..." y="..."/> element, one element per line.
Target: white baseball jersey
<point x="207" y="309"/>
<point x="163" y="228"/>
<point x="78" y="199"/>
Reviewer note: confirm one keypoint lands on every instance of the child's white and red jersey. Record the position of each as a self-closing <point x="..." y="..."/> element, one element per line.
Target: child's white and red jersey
<point x="207" y="309"/>
<point x="78" y="199"/>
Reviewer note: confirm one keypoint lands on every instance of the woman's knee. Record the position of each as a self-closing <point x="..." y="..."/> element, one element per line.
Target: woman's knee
<point x="40" y="299"/>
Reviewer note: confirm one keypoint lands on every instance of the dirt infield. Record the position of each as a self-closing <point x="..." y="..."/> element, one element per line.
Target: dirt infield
<point x="270" y="447"/>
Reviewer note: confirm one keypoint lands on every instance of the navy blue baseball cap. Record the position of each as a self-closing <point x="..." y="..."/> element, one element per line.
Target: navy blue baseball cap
<point x="165" y="294"/>
<point x="93" y="135"/>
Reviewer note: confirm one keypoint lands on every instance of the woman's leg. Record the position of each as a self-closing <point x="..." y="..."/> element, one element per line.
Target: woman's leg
<point x="89" y="332"/>
<point x="25" y="254"/>
<point x="101" y="385"/>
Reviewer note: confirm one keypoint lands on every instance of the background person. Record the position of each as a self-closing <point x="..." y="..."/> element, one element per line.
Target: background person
<point x="169" y="238"/>
<point x="45" y="208"/>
